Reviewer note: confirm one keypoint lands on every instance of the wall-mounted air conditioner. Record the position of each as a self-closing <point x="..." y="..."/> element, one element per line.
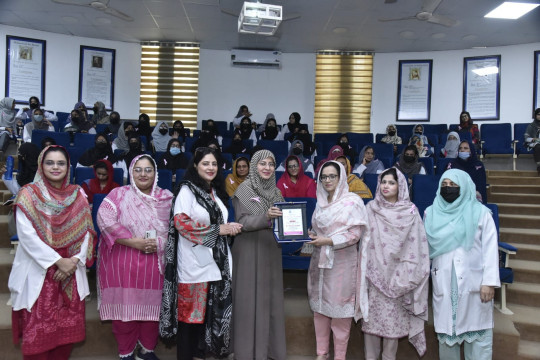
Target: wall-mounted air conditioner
<point x="256" y="58"/>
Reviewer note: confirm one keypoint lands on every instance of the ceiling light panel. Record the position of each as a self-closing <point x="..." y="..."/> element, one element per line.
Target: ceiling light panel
<point x="511" y="10"/>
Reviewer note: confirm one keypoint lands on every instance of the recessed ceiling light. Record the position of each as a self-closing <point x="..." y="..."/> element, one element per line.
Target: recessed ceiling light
<point x="70" y="19"/>
<point x="340" y="30"/>
<point x="511" y="10"/>
<point x="407" y="34"/>
<point x="438" y="35"/>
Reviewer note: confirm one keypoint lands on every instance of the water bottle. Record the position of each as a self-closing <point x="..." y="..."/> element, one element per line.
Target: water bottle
<point x="9" y="166"/>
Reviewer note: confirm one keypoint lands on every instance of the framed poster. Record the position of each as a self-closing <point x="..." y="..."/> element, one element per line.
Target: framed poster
<point x="536" y="87"/>
<point x="25" y="69"/>
<point x="481" y="87"/>
<point x="414" y="90"/>
<point x="292" y="226"/>
<point x="96" y="76"/>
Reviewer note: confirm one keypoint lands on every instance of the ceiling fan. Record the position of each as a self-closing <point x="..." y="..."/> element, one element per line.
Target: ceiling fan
<point x="426" y="14"/>
<point x="102" y="5"/>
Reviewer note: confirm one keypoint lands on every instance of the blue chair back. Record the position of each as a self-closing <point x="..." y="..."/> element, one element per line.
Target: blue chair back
<point x="497" y="138"/>
<point x="360" y="138"/>
<point x="519" y="131"/>
<point x="442" y="164"/>
<point x="165" y="179"/>
<point x="280" y="148"/>
<point x="61" y="138"/>
<point x="383" y="150"/>
<point x="424" y="190"/>
<point x="406" y="130"/>
<point x="84" y="141"/>
<point x="371" y="181"/>
<point x="327" y="137"/>
<point x="428" y="165"/>
<point x="378" y="138"/>
<point x="435" y="129"/>
<point x="180" y="174"/>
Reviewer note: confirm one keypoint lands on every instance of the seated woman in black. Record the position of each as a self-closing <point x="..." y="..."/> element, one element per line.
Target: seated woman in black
<point x="223" y="163"/>
<point x="348" y="150"/>
<point x="173" y="159"/>
<point x="179" y="131"/>
<point x="270" y="130"/>
<point x="102" y="150"/>
<point x="237" y="147"/>
<point x="468" y="162"/>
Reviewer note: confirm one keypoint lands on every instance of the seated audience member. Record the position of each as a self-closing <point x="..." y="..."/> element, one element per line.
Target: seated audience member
<point x="179" y="131"/>
<point x="173" y="159"/>
<point x="114" y="123"/>
<point x="100" y="114"/>
<point x="297" y="149"/>
<point x="293" y="126"/>
<point x="83" y="112"/>
<point x="242" y="113"/>
<point x="294" y="183"/>
<point x="79" y="123"/>
<point x="143" y="127"/>
<point x="240" y="171"/>
<point x="223" y="163"/>
<point x="7" y="122"/>
<point x="532" y="138"/>
<point x="356" y="185"/>
<point x="466" y="125"/>
<point x="424" y="149"/>
<point x="135" y="149"/>
<point x="262" y="126"/>
<point x="212" y="129"/>
<point x="334" y="152"/>
<point x="348" y="150"/>
<point x="419" y="131"/>
<point x="408" y="163"/>
<point x="368" y="163"/>
<point x="26" y="112"/>
<point x="271" y="131"/>
<point x="450" y="149"/>
<point x="310" y="149"/>
<point x="124" y="132"/>
<point x="28" y="154"/>
<point x="468" y="162"/>
<point x="392" y="137"/>
<point x="102" y="182"/>
<point x="47" y="141"/>
<point x="38" y="123"/>
<point x="160" y="137"/>
<point x="246" y="130"/>
<point x="102" y="150"/>
<point x="237" y="147"/>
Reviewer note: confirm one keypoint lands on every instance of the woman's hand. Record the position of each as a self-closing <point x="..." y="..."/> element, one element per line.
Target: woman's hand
<point x="231" y="229"/>
<point x="319" y="240"/>
<point x="273" y="212"/>
<point x="149" y="246"/>
<point x="66" y="268"/>
<point x="486" y="293"/>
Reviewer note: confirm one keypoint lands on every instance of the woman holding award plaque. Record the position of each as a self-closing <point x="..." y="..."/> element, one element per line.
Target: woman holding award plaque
<point x="258" y="320"/>
<point x="335" y="281"/>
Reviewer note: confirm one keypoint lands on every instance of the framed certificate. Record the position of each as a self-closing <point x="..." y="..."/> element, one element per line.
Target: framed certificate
<point x="292" y="226"/>
<point x="536" y="87"/>
<point x="25" y="69"/>
<point x="96" y="76"/>
<point x="414" y="90"/>
<point x="481" y="87"/>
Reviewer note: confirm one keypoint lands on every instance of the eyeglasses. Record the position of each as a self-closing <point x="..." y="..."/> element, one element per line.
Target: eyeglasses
<point x="57" y="163"/>
<point x="139" y="170"/>
<point x="292" y="166"/>
<point x="330" y="177"/>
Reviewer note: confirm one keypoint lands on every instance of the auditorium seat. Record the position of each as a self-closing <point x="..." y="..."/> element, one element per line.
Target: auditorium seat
<point x="519" y="131"/>
<point x="496" y="139"/>
<point x="61" y="138"/>
<point x="424" y="190"/>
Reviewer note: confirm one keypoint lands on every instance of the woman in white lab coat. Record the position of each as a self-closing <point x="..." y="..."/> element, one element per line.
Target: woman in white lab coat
<point x="463" y="247"/>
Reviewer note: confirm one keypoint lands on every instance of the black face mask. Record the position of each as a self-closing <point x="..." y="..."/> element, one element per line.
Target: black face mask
<point x="408" y="158"/>
<point x="101" y="145"/>
<point x="418" y="132"/>
<point x="133" y="146"/>
<point x="34" y="106"/>
<point x="297" y="151"/>
<point x="245" y="126"/>
<point x="237" y="141"/>
<point x="129" y="133"/>
<point x="449" y="193"/>
<point x="114" y="120"/>
<point x="75" y="119"/>
<point x="391" y="133"/>
<point x="163" y="131"/>
<point x="271" y="131"/>
<point x="178" y="129"/>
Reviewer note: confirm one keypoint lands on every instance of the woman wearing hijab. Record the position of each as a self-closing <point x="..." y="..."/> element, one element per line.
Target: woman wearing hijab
<point x="334" y="152"/>
<point x="135" y="149"/>
<point x="240" y="171"/>
<point x="369" y="164"/>
<point x="466" y="124"/>
<point x="293" y="126"/>
<point x="532" y="138"/>
<point x="262" y="126"/>
<point x="408" y="163"/>
<point x="48" y="281"/>
<point x="134" y="222"/>
<point x="336" y="280"/>
<point x="259" y="321"/>
<point x="271" y="131"/>
<point x="124" y="132"/>
<point x="114" y="123"/>
<point x="398" y="305"/>
<point x="293" y="182"/>
<point x="102" y="182"/>
<point x="79" y="123"/>
<point x="356" y="185"/>
<point x="463" y="247"/>
<point x="468" y="162"/>
<point x="179" y="131"/>
<point x="243" y="112"/>
<point x="33" y="104"/>
<point x="197" y="295"/>
<point x="392" y="137"/>
<point x="173" y="159"/>
<point x="421" y="146"/>
<point x="237" y="147"/>
<point x="161" y="137"/>
<point x="451" y="147"/>
<point x="7" y="121"/>
<point x="297" y="149"/>
<point x="144" y="128"/>
<point x="100" y="114"/>
<point x="246" y="130"/>
<point x="28" y="154"/>
<point x="344" y="142"/>
<point x="310" y="149"/>
<point x="38" y="123"/>
<point x="102" y="150"/>
<point x="83" y="112"/>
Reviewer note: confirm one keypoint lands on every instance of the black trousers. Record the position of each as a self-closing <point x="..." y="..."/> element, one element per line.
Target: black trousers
<point x="536" y="153"/>
<point x="189" y="341"/>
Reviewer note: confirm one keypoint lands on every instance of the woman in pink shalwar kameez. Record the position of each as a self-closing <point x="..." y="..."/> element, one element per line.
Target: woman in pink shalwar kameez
<point x="130" y="266"/>
<point x="336" y="286"/>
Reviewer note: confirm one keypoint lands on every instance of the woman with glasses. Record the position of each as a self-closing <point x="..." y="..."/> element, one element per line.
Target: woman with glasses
<point x="197" y="295"/>
<point x="259" y="319"/>
<point x="294" y="183"/>
<point x="335" y="277"/>
<point x="48" y="281"/>
<point x="134" y="222"/>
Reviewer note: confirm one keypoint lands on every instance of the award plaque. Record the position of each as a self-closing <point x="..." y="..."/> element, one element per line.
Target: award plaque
<point x="292" y="226"/>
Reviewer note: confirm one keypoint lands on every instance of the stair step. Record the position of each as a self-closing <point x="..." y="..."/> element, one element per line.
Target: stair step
<point x="515" y="189"/>
<point x="519" y="209"/>
<point x="514" y="198"/>
<point x="529" y="349"/>
<point x="523" y="294"/>
<point x="519" y="221"/>
<point x="512" y="173"/>
<point x="523" y="236"/>
<point x="513" y="180"/>
<point x="527" y="321"/>
<point x="526" y="271"/>
<point x="526" y="252"/>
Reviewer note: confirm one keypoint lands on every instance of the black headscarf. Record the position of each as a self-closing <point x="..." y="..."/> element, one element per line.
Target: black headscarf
<point x="133" y="152"/>
<point x="98" y="152"/>
<point x="28" y="160"/>
<point x="296" y="125"/>
<point x="173" y="162"/>
<point x="144" y="128"/>
<point x="245" y="129"/>
<point x="236" y="147"/>
<point x="270" y="132"/>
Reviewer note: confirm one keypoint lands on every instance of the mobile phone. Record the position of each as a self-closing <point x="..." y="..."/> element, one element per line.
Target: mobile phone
<point x="150" y="234"/>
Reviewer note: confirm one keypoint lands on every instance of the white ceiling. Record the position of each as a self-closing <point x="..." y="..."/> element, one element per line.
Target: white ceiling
<point x="203" y="21"/>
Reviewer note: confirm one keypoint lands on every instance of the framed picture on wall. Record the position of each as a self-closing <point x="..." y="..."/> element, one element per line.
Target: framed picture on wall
<point x="414" y="90"/>
<point x="536" y="87"/>
<point x="25" y="68"/>
<point x="96" y="76"/>
<point x="481" y="86"/>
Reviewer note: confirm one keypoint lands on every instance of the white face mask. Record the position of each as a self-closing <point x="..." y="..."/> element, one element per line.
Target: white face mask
<point x="464" y="155"/>
<point x="38" y="118"/>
